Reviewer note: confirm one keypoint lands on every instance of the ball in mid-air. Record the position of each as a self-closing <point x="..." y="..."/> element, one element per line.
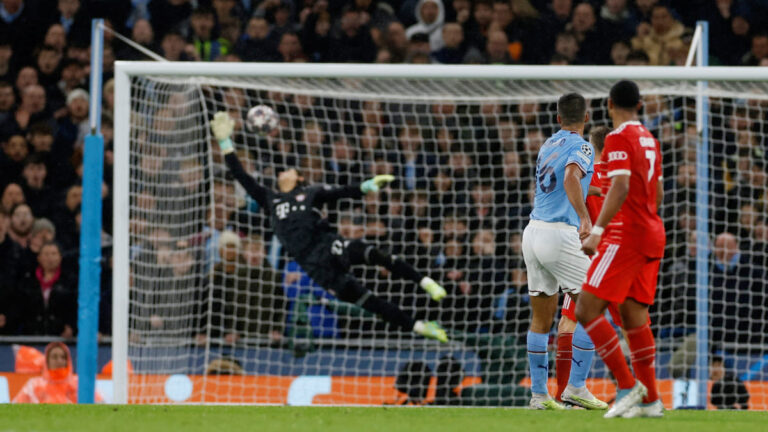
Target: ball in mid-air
<point x="261" y="119"/>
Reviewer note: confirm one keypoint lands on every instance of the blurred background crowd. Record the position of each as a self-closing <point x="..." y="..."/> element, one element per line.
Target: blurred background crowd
<point x="465" y="171"/>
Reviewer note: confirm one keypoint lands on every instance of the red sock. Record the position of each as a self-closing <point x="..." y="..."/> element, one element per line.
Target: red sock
<point x="643" y="349"/>
<point x="563" y="361"/>
<point x="607" y="346"/>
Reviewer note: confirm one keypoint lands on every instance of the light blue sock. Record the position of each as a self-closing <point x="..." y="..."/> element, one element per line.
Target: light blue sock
<point x="538" y="361"/>
<point x="583" y="351"/>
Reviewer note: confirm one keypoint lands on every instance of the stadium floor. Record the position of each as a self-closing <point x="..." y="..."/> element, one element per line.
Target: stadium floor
<point x="133" y="418"/>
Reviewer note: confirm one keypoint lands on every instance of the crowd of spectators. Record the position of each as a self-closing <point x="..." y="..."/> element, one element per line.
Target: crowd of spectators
<point x="465" y="171"/>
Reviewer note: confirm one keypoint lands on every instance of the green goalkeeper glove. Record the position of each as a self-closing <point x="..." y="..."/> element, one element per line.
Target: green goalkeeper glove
<point x="374" y="184"/>
<point x="222" y="126"/>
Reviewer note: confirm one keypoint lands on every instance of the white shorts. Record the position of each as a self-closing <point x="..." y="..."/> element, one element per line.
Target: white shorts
<point x="553" y="258"/>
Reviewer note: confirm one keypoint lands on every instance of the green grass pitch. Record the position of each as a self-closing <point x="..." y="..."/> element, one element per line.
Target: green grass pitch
<point x="63" y="418"/>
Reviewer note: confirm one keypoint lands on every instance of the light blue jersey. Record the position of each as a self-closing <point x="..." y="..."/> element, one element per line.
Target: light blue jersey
<point x="561" y="149"/>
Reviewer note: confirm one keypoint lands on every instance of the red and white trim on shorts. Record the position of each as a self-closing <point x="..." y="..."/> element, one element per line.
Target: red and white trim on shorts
<point x="602" y="267"/>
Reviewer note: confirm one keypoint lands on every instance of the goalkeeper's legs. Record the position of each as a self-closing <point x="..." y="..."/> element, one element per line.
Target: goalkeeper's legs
<point x="361" y="252"/>
<point x="354" y="292"/>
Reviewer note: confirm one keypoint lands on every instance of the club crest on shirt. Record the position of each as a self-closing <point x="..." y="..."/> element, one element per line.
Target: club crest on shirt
<point x="300" y="197"/>
<point x="586" y="149"/>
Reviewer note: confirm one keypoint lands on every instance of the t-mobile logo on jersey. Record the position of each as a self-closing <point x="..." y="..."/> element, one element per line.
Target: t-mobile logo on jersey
<point x="282" y="210"/>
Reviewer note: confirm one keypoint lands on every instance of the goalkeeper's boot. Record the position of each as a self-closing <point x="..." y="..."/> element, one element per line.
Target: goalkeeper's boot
<point x="583" y="398"/>
<point x="626" y="399"/>
<point x="544" y="402"/>
<point x="431" y="330"/>
<point x="653" y="409"/>
<point x="433" y="289"/>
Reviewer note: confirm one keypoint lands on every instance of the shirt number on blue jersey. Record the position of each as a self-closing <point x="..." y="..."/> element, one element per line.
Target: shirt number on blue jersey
<point x="547" y="172"/>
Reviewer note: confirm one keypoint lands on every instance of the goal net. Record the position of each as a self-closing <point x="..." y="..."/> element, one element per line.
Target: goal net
<point x="218" y="313"/>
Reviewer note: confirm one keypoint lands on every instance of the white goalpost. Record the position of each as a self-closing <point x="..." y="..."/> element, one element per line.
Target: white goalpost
<point x="199" y="326"/>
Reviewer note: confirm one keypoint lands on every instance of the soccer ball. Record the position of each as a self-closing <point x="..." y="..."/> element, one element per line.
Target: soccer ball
<point x="261" y="119"/>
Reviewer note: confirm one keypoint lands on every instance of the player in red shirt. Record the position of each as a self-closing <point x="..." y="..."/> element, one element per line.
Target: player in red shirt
<point x="567" y="323"/>
<point x="628" y="257"/>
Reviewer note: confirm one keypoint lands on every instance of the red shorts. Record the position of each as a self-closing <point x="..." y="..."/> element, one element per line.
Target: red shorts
<point x="569" y="310"/>
<point x="619" y="272"/>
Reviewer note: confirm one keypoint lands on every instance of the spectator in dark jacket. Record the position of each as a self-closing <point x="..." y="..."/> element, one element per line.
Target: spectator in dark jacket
<point x="734" y="283"/>
<point x="15" y="150"/>
<point x="728" y="391"/>
<point x="64" y="218"/>
<point x="10" y="265"/>
<point x="12" y="195"/>
<point x="353" y="43"/>
<point x="42" y="232"/>
<point x="31" y="110"/>
<point x="22" y="219"/>
<point x="48" y="298"/>
<point x="453" y="50"/>
<point x="255" y="43"/>
<point x="758" y="52"/>
<point x="247" y="300"/>
<point x="19" y="18"/>
<point x="168" y="14"/>
<point x="37" y="192"/>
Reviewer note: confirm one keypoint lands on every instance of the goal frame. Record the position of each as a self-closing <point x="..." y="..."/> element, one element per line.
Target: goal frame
<point x="124" y="71"/>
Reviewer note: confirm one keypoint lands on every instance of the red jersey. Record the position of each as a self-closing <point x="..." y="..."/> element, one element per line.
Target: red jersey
<point x="595" y="202"/>
<point x="632" y="150"/>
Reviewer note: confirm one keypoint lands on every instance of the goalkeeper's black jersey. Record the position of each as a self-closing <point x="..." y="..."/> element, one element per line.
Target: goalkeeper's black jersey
<point x="296" y="216"/>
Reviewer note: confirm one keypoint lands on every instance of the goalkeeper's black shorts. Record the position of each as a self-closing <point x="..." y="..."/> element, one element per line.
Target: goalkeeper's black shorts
<point x="328" y="263"/>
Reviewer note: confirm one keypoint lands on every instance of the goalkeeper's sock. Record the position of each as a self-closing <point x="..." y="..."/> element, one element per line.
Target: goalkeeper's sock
<point x="583" y="352"/>
<point x="643" y="349"/>
<point x="538" y="361"/>
<point x="563" y="361"/>
<point x="607" y="345"/>
<point x="389" y="312"/>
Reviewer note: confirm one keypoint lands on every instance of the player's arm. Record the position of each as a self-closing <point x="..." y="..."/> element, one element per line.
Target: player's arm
<point x="594" y="191"/>
<point x="614" y="199"/>
<point x="572" y="185"/>
<point x="222" y="126"/>
<point x="355" y="191"/>
<point x="659" y="193"/>
<point x="619" y="170"/>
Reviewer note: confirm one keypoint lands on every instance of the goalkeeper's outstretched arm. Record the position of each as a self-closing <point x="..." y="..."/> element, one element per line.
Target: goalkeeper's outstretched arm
<point x="329" y="194"/>
<point x="222" y="126"/>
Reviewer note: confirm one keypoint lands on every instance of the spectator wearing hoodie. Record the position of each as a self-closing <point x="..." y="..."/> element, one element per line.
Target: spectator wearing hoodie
<point x="430" y="15"/>
<point x="58" y="384"/>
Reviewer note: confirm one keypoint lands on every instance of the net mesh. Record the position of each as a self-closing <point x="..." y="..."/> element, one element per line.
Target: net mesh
<point x="244" y="324"/>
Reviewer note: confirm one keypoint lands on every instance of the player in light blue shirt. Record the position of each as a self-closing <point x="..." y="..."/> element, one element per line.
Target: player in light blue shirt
<point x="552" y="251"/>
<point x="551" y="202"/>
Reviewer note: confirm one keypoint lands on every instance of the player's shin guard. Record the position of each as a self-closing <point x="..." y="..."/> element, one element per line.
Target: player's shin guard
<point x="643" y="349"/>
<point x="607" y="345"/>
<point x="388" y="312"/>
<point x="538" y="362"/>
<point x="583" y="352"/>
<point x="563" y="361"/>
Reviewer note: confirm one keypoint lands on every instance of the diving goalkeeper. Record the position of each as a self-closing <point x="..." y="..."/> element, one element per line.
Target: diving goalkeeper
<point x="296" y="218"/>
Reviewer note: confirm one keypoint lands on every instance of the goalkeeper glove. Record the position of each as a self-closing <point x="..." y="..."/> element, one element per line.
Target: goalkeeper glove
<point x="222" y="126"/>
<point x="374" y="184"/>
